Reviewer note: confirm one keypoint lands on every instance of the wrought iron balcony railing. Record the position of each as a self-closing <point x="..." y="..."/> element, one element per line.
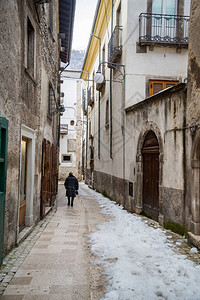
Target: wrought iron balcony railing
<point x="91" y="96"/>
<point x="115" y="45"/>
<point x="163" y="29"/>
<point x="84" y="102"/>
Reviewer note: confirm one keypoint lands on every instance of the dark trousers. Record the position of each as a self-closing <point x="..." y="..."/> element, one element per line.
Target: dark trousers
<point x="72" y="200"/>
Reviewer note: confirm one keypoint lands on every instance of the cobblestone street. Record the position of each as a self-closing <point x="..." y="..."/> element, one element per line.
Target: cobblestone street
<point x="54" y="261"/>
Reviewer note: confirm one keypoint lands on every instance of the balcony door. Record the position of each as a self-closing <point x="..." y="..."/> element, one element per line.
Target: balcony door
<point x="163" y="21"/>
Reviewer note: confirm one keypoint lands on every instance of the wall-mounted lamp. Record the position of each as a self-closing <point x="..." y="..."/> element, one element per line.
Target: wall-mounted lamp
<point x="99" y="78"/>
<point x="81" y="121"/>
<point x="193" y="130"/>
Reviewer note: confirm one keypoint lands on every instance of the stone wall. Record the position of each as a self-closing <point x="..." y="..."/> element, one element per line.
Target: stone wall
<point x="164" y="114"/>
<point x="192" y="135"/>
<point x="22" y="98"/>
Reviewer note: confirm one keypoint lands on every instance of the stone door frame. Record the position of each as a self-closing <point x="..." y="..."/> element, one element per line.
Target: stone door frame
<point x="195" y="190"/>
<point x="150" y="126"/>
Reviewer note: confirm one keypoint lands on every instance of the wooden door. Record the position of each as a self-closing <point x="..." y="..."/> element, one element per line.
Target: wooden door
<point x="3" y="175"/>
<point x="23" y="182"/>
<point x="150" y="153"/>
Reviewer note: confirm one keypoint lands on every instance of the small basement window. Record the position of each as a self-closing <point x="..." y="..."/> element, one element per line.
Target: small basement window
<point x="66" y="158"/>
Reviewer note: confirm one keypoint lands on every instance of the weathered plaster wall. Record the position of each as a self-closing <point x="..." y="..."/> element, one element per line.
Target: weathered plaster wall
<point x="162" y="115"/>
<point x="21" y="99"/>
<point x="192" y="135"/>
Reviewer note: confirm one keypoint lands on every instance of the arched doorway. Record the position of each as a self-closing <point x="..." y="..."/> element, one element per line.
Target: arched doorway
<point x="195" y="187"/>
<point x="150" y="153"/>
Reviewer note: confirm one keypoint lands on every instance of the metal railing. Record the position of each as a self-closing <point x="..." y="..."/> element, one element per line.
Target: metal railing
<point x="84" y="99"/>
<point x="91" y="96"/>
<point x="163" y="29"/>
<point x="115" y="44"/>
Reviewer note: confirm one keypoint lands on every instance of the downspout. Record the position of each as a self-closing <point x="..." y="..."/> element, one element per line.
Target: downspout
<point x="123" y="138"/>
<point x="87" y="127"/>
<point x="111" y="88"/>
<point x="184" y="157"/>
<point x="99" y="109"/>
<point x="99" y="123"/>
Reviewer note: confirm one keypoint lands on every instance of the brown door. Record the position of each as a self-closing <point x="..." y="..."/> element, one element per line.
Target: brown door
<point x="150" y="153"/>
<point x="23" y="182"/>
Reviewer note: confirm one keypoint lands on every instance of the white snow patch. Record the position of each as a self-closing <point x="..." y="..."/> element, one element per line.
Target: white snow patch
<point x="193" y="250"/>
<point x="178" y="243"/>
<point x="145" y="266"/>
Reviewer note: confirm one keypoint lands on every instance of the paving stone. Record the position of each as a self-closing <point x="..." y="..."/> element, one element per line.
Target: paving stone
<point x="53" y="262"/>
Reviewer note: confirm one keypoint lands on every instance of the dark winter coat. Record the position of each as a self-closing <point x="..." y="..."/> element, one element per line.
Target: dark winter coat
<point x="71" y="185"/>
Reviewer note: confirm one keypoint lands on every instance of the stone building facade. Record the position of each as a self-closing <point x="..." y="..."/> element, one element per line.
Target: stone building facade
<point x="137" y="116"/>
<point x="29" y="99"/>
<point x="192" y="131"/>
<point x="71" y="133"/>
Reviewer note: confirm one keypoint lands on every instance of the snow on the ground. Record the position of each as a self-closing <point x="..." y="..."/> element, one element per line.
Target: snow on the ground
<point x="144" y="266"/>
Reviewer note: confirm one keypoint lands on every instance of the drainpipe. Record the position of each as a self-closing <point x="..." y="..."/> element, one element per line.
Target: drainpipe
<point x="99" y="122"/>
<point x="86" y="124"/>
<point x="111" y="88"/>
<point x="123" y="138"/>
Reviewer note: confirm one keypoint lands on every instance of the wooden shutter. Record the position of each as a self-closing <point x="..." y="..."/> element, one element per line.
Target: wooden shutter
<point x="156" y="86"/>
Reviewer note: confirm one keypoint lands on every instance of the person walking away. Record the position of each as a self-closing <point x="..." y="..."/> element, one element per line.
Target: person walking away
<point x="71" y="185"/>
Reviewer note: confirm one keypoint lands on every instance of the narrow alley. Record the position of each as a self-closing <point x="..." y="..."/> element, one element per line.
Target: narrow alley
<point x="58" y="265"/>
<point x="65" y="262"/>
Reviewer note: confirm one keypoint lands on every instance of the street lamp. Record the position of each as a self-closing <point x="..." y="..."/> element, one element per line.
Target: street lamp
<point x="98" y="78"/>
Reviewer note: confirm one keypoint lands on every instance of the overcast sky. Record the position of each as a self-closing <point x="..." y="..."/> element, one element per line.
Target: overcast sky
<point x="84" y="15"/>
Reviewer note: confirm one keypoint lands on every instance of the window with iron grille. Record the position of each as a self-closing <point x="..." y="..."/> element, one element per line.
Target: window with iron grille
<point x="107" y="114"/>
<point x="51" y="16"/>
<point x="66" y="158"/>
<point x="51" y="101"/>
<point x="30" y="47"/>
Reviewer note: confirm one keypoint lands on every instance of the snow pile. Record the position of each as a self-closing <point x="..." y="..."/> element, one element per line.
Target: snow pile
<point x="143" y="266"/>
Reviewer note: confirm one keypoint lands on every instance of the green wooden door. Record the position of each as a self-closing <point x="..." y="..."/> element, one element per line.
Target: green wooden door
<point x="3" y="172"/>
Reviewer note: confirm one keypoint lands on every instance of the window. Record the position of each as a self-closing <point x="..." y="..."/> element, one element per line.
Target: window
<point x="66" y="158"/>
<point x="30" y="47"/>
<point x="51" y="101"/>
<point x="107" y="114"/>
<point x="92" y="86"/>
<point x="168" y="7"/>
<point x="51" y="16"/>
<point x="72" y="122"/>
<point x="119" y="16"/>
<point x="156" y="86"/>
<point x="103" y="59"/>
<point x="119" y="24"/>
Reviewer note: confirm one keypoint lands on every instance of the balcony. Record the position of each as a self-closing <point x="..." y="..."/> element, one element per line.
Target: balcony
<point x="63" y="128"/>
<point x="163" y="30"/>
<point x="91" y="96"/>
<point x="115" y="45"/>
<point x="84" y="102"/>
